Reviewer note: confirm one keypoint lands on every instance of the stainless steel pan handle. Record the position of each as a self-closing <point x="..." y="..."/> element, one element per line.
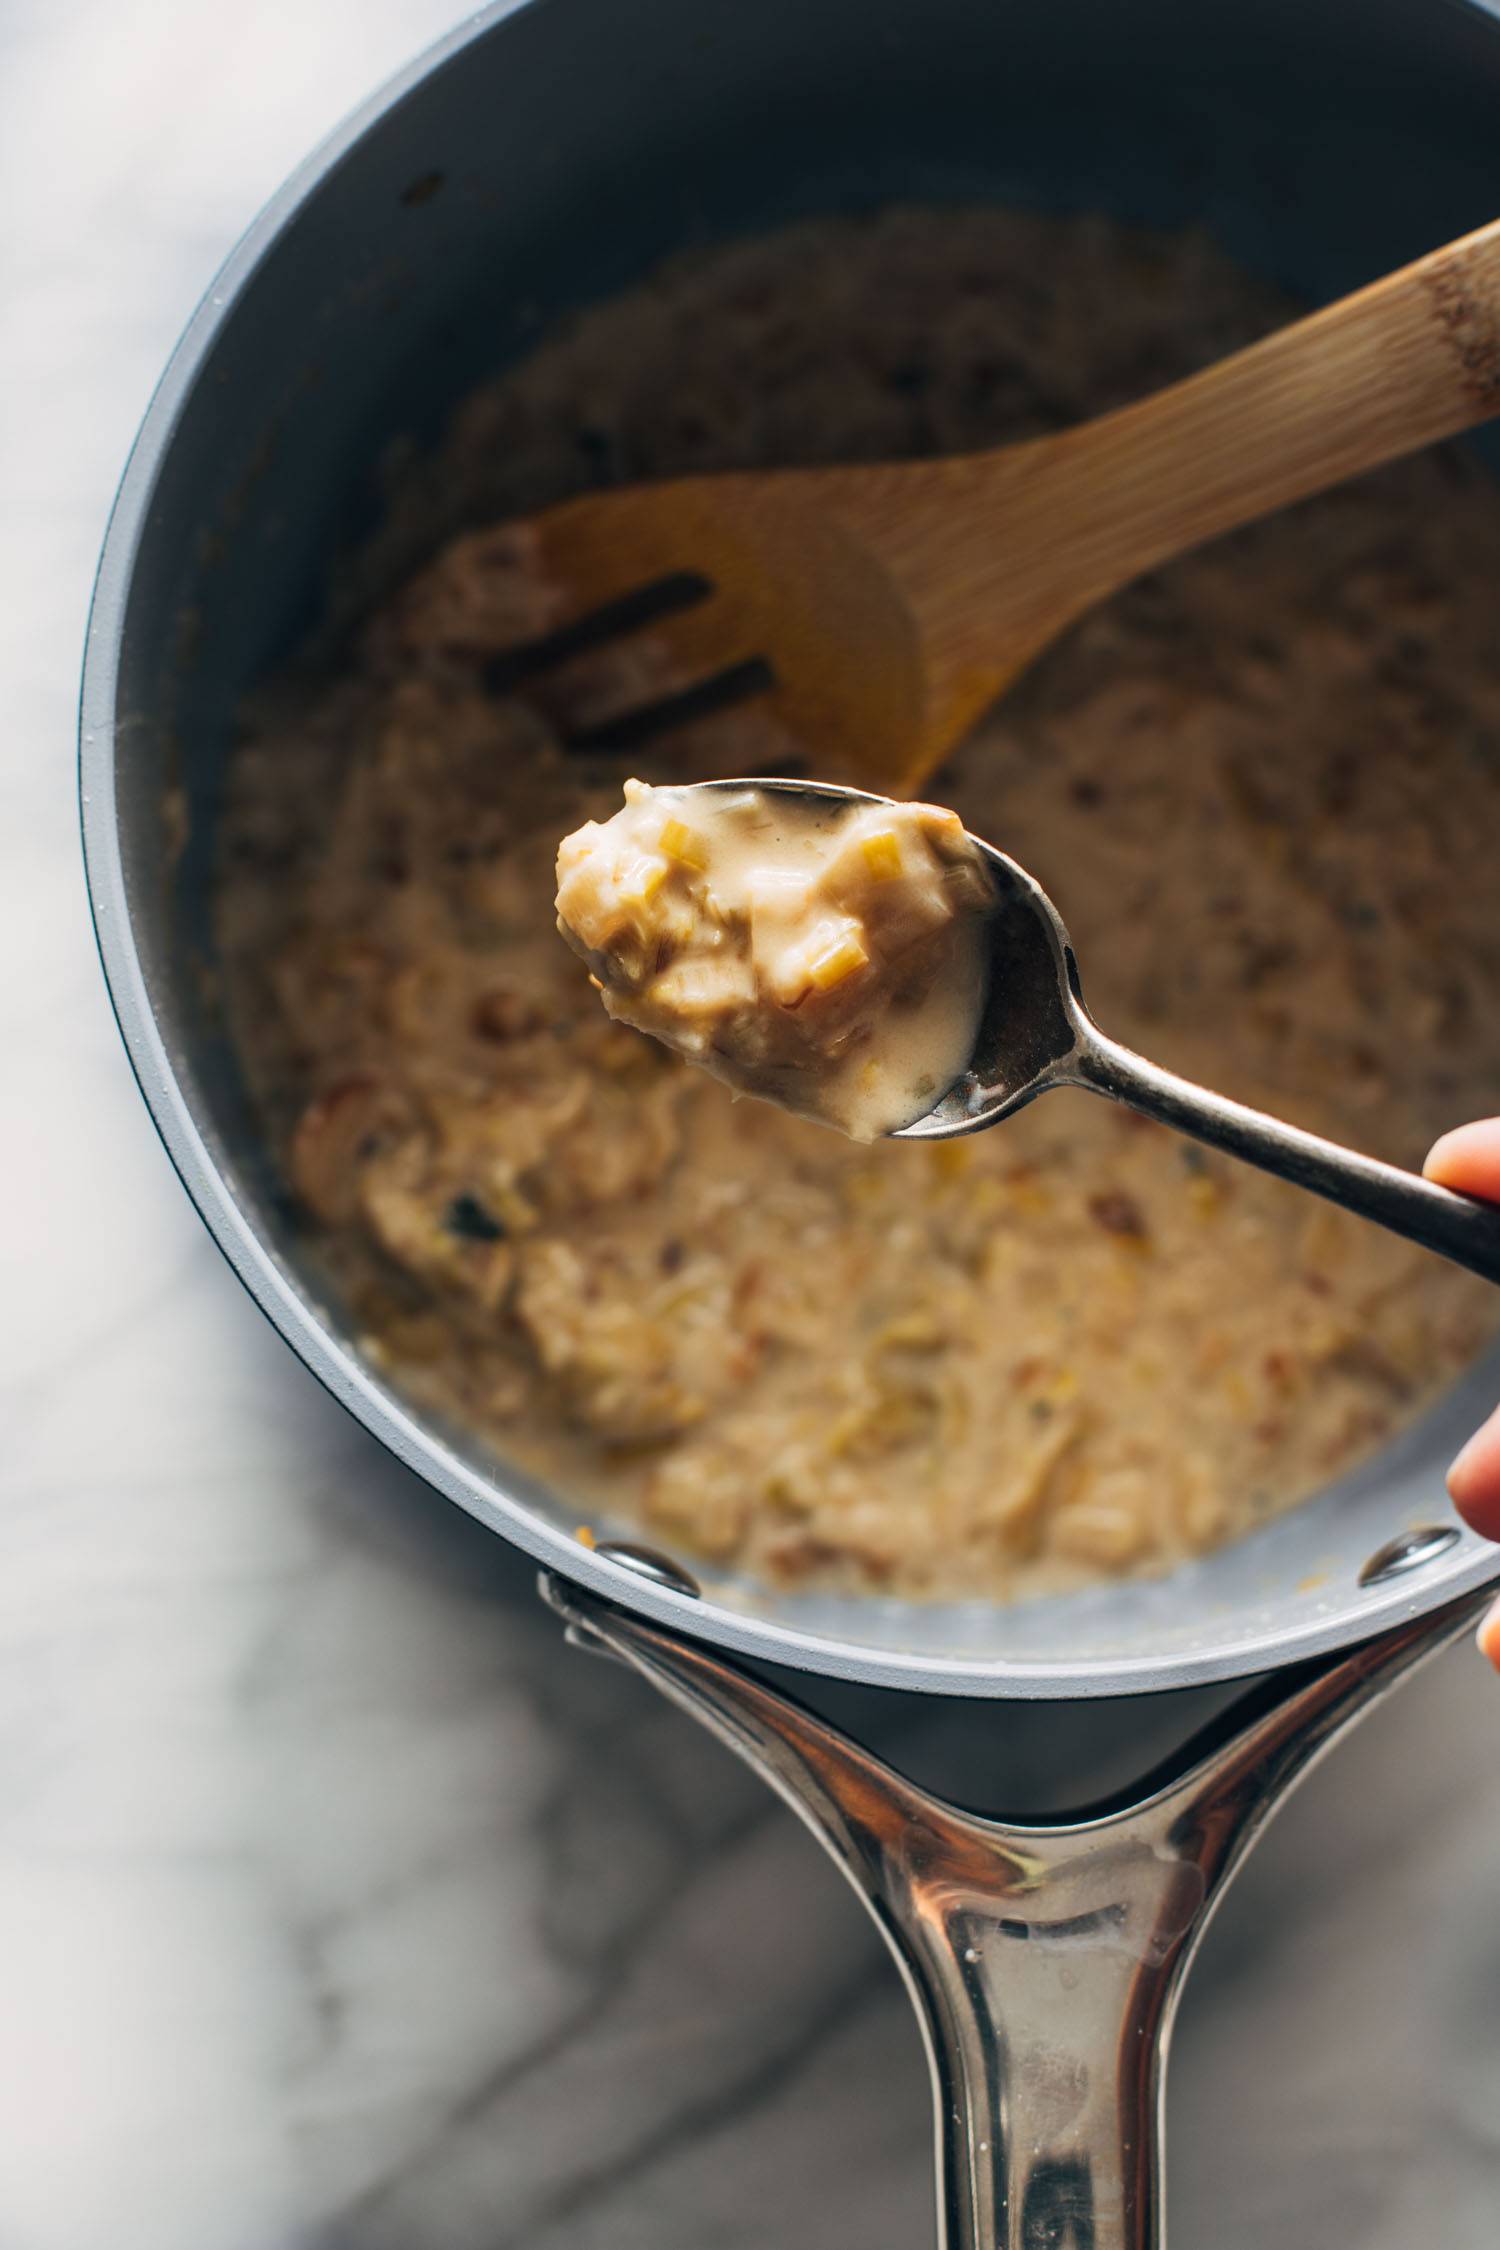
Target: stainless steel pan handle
<point x="1044" y="1962"/>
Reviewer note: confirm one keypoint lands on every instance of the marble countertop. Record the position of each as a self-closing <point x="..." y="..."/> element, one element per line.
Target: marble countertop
<point x="341" y="1905"/>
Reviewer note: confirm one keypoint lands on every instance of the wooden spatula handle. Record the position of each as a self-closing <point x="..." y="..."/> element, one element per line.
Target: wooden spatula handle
<point x="1411" y="359"/>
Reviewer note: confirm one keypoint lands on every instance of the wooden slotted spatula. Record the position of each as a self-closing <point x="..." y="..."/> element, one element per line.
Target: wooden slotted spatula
<point x="881" y="609"/>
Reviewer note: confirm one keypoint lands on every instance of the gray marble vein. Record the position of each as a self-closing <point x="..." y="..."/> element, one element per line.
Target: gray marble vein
<point x="342" y="1906"/>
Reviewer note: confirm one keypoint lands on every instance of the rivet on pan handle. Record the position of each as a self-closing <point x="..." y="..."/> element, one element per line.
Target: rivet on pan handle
<point x="645" y="1562"/>
<point x="1409" y="1550"/>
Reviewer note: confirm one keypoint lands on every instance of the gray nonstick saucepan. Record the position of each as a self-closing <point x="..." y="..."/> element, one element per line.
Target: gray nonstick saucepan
<point x="543" y="155"/>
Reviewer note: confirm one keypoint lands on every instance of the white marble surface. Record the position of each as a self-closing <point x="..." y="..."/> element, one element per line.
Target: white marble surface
<point x="340" y="1904"/>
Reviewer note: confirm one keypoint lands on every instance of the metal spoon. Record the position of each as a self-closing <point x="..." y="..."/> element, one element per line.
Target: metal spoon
<point x="1035" y="1033"/>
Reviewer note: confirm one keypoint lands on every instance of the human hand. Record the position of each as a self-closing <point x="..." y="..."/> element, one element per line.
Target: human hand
<point x="1469" y="1159"/>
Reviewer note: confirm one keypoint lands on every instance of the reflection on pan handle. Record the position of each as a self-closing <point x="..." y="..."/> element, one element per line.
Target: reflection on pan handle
<point x="1044" y="1962"/>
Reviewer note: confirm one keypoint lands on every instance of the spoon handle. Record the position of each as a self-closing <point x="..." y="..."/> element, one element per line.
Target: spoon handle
<point x="1455" y="1226"/>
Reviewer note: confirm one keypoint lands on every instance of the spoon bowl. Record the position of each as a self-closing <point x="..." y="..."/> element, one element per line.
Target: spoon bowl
<point x="1033" y="1027"/>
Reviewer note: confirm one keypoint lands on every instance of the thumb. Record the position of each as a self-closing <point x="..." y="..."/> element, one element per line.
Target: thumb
<point x="1468" y="1159"/>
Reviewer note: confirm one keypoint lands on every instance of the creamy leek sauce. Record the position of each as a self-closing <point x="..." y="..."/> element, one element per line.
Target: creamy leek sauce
<point x="825" y="956"/>
<point x="1263" y="786"/>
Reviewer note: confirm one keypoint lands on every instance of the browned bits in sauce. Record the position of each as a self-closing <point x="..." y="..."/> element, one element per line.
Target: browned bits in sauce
<point x="1118" y="1213"/>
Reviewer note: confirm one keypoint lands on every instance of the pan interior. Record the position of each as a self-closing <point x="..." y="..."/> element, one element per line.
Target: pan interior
<point x="510" y="180"/>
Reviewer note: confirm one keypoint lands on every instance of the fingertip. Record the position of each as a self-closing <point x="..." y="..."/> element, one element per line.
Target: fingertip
<point x="1468" y="1159"/>
<point x="1489" y="1636"/>
<point x="1474" y="1480"/>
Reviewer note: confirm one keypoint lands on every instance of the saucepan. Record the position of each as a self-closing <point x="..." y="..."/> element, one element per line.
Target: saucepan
<point x="539" y="157"/>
